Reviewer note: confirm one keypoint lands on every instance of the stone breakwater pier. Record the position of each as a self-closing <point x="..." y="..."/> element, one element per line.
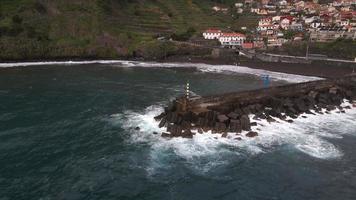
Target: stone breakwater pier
<point x="232" y="112"/>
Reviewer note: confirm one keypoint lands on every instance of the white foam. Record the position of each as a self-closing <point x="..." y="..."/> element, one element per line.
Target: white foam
<point x="310" y="136"/>
<point x="200" y="66"/>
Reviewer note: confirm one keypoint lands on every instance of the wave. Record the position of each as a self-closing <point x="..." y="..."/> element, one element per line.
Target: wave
<point x="200" y="66"/>
<point x="310" y="136"/>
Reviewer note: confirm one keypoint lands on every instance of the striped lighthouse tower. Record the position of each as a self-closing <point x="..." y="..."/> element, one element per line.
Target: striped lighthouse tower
<point x="187" y="91"/>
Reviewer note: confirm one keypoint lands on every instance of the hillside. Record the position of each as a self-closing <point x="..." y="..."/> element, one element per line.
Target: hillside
<point x="40" y="29"/>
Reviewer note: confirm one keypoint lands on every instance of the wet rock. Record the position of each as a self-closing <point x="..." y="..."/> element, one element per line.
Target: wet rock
<point x="235" y="126"/>
<point x="224" y="135"/>
<point x="137" y="128"/>
<point x="223" y="118"/>
<point x="251" y="134"/>
<point x="160" y="116"/>
<point x="333" y="90"/>
<point x="187" y="134"/>
<point x="162" y="123"/>
<point x="155" y="133"/>
<point x="270" y="119"/>
<point x="290" y="121"/>
<point x="186" y="125"/>
<point x="166" y="135"/>
<point x="253" y="124"/>
<point x="200" y="131"/>
<point x="233" y="115"/>
<point x="245" y="123"/>
<point x="175" y="130"/>
<point x="238" y="138"/>
<point x="220" y="127"/>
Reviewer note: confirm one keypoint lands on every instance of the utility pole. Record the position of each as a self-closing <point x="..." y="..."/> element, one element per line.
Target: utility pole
<point x="307" y="52"/>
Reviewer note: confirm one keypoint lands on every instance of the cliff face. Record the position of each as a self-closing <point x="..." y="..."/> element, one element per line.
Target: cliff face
<point x="39" y="29"/>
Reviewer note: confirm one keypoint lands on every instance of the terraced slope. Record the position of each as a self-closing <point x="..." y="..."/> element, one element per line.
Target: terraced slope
<point x="39" y="29"/>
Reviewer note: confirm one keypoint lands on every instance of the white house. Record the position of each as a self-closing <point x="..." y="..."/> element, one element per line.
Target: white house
<point x="285" y="23"/>
<point x="212" y="34"/>
<point x="276" y="18"/>
<point x="265" y="21"/>
<point x="232" y="39"/>
<point x="316" y="24"/>
<point x="239" y="5"/>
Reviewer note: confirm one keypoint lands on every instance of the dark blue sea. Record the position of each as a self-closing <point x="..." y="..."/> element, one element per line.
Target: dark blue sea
<point x="67" y="132"/>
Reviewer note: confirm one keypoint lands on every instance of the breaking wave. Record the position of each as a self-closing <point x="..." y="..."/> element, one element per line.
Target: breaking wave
<point x="310" y="136"/>
<point x="199" y="66"/>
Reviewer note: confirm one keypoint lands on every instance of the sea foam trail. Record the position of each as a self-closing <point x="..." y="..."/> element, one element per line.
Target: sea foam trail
<point x="200" y="66"/>
<point x="306" y="135"/>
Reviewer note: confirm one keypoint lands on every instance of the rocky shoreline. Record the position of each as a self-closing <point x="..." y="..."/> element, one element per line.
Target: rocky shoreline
<point x="231" y="113"/>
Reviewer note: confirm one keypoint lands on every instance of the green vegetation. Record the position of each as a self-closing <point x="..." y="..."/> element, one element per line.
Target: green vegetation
<point x="42" y="29"/>
<point x="341" y="48"/>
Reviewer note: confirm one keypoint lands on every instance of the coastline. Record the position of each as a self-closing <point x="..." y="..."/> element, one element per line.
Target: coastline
<point x="317" y="69"/>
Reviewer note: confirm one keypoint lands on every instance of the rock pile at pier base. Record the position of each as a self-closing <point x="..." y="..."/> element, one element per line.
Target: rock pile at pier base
<point x="231" y="112"/>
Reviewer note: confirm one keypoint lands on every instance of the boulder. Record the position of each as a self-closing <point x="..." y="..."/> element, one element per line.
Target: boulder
<point x="160" y="116"/>
<point x="300" y="105"/>
<point x="313" y="94"/>
<point x="200" y="131"/>
<point x="166" y="135"/>
<point x="270" y="119"/>
<point x="238" y="138"/>
<point x="233" y="115"/>
<point x="186" y="125"/>
<point x="245" y="123"/>
<point x="235" y="126"/>
<point x="175" y="130"/>
<point x="223" y="118"/>
<point x="137" y="128"/>
<point x="162" y="123"/>
<point x="219" y="127"/>
<point x="187" y="134"/>
<point x="253" y="124"/>
<point x="224" y="135"/>
<point x="155" y="133"/>
<point x="251" y="134"/>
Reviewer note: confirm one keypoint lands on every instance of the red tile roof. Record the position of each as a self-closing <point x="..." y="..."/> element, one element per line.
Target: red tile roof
<point x="233" y="35"/>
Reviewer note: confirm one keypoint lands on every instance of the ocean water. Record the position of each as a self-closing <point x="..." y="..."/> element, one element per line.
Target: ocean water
<point x="67" y="131"/>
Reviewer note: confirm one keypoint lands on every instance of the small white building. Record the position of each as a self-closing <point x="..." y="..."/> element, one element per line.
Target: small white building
<point x="265" y="21"/>
<point x="212" y="34"/>
<point x="285" y="23"/>
<point x="232" y="39"/>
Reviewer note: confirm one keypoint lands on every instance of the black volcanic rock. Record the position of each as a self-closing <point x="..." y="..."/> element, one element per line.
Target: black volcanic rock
<point x="251" y="134"/>
<point x="245" y="123"/>
<point x="166" y="135"/>
<point x="235" y="126"/>
<point x="223" y="118"/>
<point x="162" y="123"/>
<point x="233" y="115"/>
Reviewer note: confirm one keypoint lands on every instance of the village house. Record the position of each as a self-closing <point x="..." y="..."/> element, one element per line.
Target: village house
<point x="285" y="23"/>
<point x="325" y="34"/>
<point x="219" y="9"/>
<point x="232" y="39"/>
<point x="212" y="34"/>
<point x="296" y="27"/>
<point x="239" y="5"/>
<point x="265" y="21"/>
